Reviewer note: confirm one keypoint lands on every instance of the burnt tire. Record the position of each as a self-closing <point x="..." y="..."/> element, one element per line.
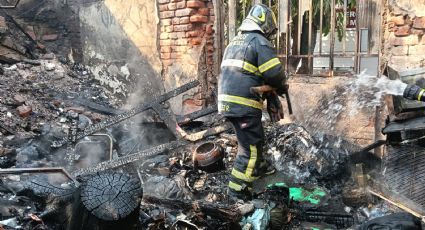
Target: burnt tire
<point x="111" y="196"/>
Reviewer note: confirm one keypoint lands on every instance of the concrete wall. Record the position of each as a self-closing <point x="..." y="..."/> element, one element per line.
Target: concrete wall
<point x="119" y="42"/>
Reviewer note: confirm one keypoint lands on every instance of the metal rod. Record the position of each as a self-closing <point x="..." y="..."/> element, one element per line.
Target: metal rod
<point x="310" y="32"/>
<point x="288" y="34"/>
<point x="299" y="27"/>
<point x="321" y="27"/>
<point x="332" y="41"/>
<point x="344" y="28"/>
<point x="357" y="51"/>
<point x="329" y="55"/>
<point x="232" y="19"/>
<point x="38" y="170"/>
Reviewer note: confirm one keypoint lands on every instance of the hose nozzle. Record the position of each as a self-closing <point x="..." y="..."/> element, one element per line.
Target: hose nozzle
<point x="414" y="92"/>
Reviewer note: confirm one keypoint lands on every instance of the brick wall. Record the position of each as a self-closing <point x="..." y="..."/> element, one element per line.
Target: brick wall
<point x="187" y="47"/>
<point x="404" y="38"/>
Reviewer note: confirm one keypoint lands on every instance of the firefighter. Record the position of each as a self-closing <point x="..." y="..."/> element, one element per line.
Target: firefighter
<point x="250" y="60"/>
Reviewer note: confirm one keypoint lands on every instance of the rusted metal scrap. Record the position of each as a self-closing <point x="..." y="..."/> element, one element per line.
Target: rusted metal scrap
<point x="119" y="162"/>
<point x="124" y="116"/>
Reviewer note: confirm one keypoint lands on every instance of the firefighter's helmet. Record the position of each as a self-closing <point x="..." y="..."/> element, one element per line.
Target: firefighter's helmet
<point x="260" y="18"/>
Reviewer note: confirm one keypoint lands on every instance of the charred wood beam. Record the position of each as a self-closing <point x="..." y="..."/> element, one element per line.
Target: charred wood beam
<point x="97" y="107"/>
<point x="124" y="116"/>
<point x="195" y="115"/>
<point x="205" y="133"/>
<point x="122" y="161"/>
<point x="220" y="211"/>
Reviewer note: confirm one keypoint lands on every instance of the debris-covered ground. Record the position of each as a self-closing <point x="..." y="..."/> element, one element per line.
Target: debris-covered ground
<point x="110" y="171"/>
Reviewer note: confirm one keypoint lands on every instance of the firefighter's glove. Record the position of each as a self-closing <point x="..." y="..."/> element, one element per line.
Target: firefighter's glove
<point x="274" y="106"/>
<point x="283" y="90"/>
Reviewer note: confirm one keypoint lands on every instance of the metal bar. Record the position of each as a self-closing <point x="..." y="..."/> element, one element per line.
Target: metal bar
<point x="357" y="51"/>
<point x="124" y="116"/>
<point x="344" y="27"/>
<point x="328" y="55"/>
<point x="122" y="161"/>
<point x="321" y="27"/>
<point x="300" y="21"/>
<point x="332" y="41"/>
<point x="10" y="7"/>
<point x="310" y="31"/>
<point x="288" y="34"/>
<point x="38" y="170"/>
<point x="219" y="24"/>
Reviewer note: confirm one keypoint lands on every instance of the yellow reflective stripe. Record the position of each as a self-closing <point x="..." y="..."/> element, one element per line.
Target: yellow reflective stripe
<point x="269" y="64"/>
<point x="252" y="160"/>
<point x="243" y="176"/>
<point x="241" y="64"/>
<point x="235" y="186"/>
<point x="240" y="100"/>
<point x="421" y="94"/>
<point x="247" y="176"/>
<point x="250" y="68"/>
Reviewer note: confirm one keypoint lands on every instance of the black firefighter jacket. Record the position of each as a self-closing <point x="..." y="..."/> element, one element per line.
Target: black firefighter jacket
<point x="249" y="60"/>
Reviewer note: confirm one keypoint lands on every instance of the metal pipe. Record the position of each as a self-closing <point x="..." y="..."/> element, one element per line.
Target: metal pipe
<point x="344" y="27"/>
<point x="288" y="34"/>
<point x="38" y="170"/>
<point x="357" y="51"/>
<point x="310" y="31"/>
<point x="332" y="41"/>
<point x="321" y="27"/>
<point x="299" y="26"/>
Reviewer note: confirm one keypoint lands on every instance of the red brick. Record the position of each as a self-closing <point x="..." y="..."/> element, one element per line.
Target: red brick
<point x="172" y="6"/>
<point x="50" y="37"/>
<point x="165" y="56"/>
<point x="397" y="20"/>
<point x="192" y="34"/>
<point x="166" y="22"/>
<point x="204" y="11"/>
<point x="169" y="29"/>
<point x="163" y="1"/>
<point x="212" y="13"/>
<point x="181" y="5"/>
<point x="195" y="4"/>
<point x="402" y="31"/>
<point x="175" y="21"/>
<point x="24" y="111"/>
<point x="209" y="29"/>
<point x="184" y="20"/>
<point x="181" y="42"/>
<point x="180" y="48"/>
<point x="401" y="41"/>
<point x="212" y="18"/>
<point x="164" y="36"/>
<point x="185" y="12"/>
<point x="198" y="18"/>
<point x="162" y="8"/>
<point x="178" y="35"/>
<point x="166" y="42"/>
<point x="195" y="41"/>
<point x="210" y="5"/>
<point x="180" y="28"/>
<point x="419" y="23"/>
<point x="166" y="14"/>
<point x="165" y="49"/>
